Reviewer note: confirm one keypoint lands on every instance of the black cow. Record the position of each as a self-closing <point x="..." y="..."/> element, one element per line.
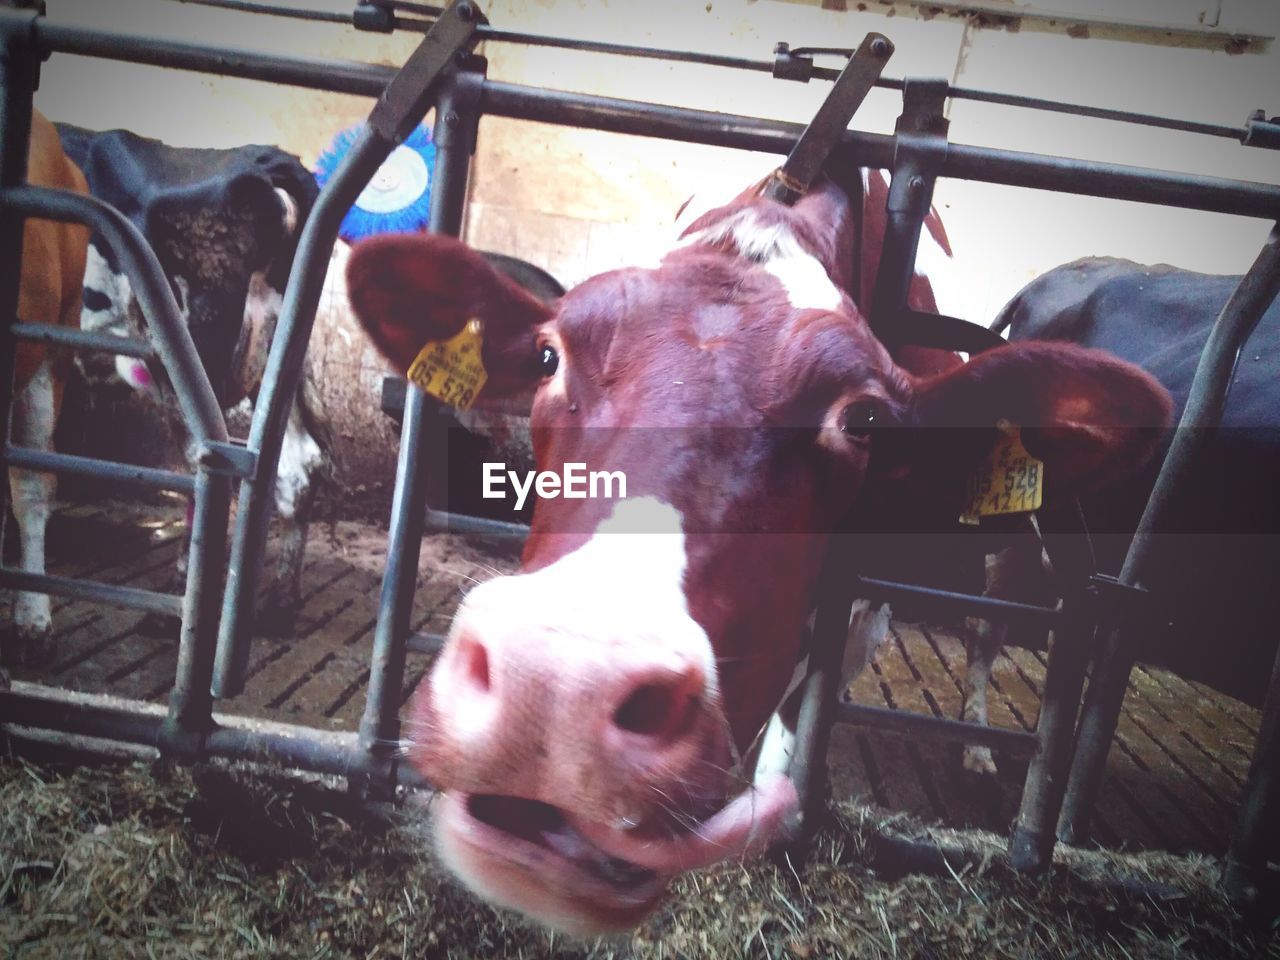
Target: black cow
<point x="224" y="225"/>
<point x="1215" y="574"/>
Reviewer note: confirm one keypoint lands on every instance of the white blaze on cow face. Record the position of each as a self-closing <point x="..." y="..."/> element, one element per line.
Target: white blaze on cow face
<point x="113" y="318"/>
<point x="584" y="693"/>
<point x="775" y="248"/>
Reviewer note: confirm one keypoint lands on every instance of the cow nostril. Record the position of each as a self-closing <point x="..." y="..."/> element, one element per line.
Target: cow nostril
<point x="473" y="664"/>
<point x="660" y="710"/>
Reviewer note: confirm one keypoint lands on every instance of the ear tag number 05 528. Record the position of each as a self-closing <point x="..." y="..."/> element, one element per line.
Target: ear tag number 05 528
<point x="1009" y="480"/>
<point x="452" y="370"/>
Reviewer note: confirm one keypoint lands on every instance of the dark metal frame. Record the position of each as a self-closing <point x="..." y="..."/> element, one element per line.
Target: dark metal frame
<point x="442" y="73"/>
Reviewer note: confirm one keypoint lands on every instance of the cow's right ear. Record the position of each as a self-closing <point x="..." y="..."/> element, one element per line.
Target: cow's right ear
<point x="413" y="290"/>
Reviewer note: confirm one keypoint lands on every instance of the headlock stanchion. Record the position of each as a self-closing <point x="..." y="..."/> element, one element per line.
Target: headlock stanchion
<point x="1205" y="403"/>
<point x="443" y="72"/>
<point x="398" y="111"/>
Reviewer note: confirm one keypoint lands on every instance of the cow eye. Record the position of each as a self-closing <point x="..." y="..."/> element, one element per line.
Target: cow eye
<point x="859" y="418"/>
<point x="548" y="360"/>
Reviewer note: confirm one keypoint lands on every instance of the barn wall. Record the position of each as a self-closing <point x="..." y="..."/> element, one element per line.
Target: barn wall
<point x="577" y="202"/>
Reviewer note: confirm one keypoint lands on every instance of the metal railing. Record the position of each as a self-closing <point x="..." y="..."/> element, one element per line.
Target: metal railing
<point x="441" y="74"/>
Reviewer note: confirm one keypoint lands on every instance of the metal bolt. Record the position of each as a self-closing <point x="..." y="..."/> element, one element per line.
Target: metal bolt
<point x="915" y="184"/>
<point x="451" y="118"/>
<point x="880" y="47"/>
<point x="466" y="11"/>
<point x="782" y="47"/>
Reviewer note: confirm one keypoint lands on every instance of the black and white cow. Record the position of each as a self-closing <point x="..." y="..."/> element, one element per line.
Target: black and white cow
<point x="1215" y="572"/>
<point x="224" y="225"/>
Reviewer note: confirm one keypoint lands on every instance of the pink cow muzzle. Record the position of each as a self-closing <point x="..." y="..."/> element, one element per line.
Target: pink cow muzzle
<point x="573" y="724"/>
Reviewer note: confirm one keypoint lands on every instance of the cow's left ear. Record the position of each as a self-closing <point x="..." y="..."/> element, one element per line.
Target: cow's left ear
<point x="1089" y="417"/>
<point x="413" y="291"/>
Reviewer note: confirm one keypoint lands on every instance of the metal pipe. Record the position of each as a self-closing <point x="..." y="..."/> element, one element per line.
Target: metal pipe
<point x="130" y="598"/>
<point x="302" y="748"/>
<point x="1111" y="180"/>
<point x="335" y="76"/>
<point x="920" y="726"/>
<point x="443" y="521"/>
<point x="717" y="129"/>
<point x="400" y="108"/>
<point x="83" y="340"/>
<point x="818" y="705"/>
<point x="455" y="131"/>
<point x="27" y="458"/>
<point x="952" y="603"/>
<point x="279" y="386"/>
<point x="191" y="700"/>
<point x="172" y="340"/>
<point x="17" y="73"/>
<point x="1196" y="430"/>
<point x="1254" y="838"/>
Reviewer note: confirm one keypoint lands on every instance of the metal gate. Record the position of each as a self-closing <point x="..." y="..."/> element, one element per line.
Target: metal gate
<point x="444" y="74"/>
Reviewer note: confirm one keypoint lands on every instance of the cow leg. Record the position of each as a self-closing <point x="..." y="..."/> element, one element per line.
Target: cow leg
<point x="868" y="628"/>
<point x="300" y="458"/>
<point x="983" y="641"/>
<point x="35" y="413"/>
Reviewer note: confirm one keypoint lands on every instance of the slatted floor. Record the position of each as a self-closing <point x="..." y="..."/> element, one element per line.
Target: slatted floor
<point x="1182" y="749"/>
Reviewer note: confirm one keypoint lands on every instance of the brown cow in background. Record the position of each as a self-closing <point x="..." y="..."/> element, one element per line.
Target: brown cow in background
<point x="53" y="260"/>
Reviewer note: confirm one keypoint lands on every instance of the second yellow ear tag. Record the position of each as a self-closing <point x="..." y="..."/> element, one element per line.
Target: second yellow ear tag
<point x="452" y="370"/>
<point x="1009" y="480"/>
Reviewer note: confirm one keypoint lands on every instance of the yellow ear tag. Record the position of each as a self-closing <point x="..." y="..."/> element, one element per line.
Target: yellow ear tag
<point x="452" y="370"/>
<point x="1009" y="480"/>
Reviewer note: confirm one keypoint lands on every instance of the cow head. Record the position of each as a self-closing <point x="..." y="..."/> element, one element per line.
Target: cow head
<point x="584" y="718"/>
<point x="219" y="240"/>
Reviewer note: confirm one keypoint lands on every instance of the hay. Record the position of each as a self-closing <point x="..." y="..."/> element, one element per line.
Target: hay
<point x="144" y="860"/>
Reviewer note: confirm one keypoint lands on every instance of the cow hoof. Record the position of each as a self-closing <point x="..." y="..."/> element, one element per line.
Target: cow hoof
<point x="164" y="626"/>
<point x="979" y="760"/>
<point x="277" y="618"/>
<point x="27" y="646"/>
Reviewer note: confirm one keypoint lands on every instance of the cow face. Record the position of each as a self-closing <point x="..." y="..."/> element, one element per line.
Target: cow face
<point x="584" y="718"/>
<point x="217" y="243"/>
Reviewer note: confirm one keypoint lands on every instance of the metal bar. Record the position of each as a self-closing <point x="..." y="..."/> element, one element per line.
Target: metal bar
<point x="920" y="726"/>
<point x="1100" y="113"/>
<point x="131" y="721"/>
<point x="1196" y="429"/>
<point x="455" y="131"/>
<point x="952" y="603"/>
<point x="819" y="692"/>
<point x="129" y="597"/>
<point x="83" y="340"/>
<point x="921" y="132"/>
<point x="17" y="87"/>
<point x="172" y="340"/>
<point x="335" y="76"/>
<point x="428" y="643"/>
<point x="442" y="521"/>
<point x="984" y="164"/>
<point x="28" y="458"/>
<point x="274" y="10"/>
<point x="1066" y="541"/>
<point x="191" y="700"/>
<point x="1111" y="180"/>
<point x="697" y="126"/>
<point x="368" y="79"/>
<point x="398" y="111"/>
<point x="807" y="157"/>
<point x="1254" y="838"/>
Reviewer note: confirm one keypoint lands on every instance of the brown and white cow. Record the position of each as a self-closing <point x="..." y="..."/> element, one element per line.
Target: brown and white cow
<point x="53" y="259"/>
<point x="584" y="720"/>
